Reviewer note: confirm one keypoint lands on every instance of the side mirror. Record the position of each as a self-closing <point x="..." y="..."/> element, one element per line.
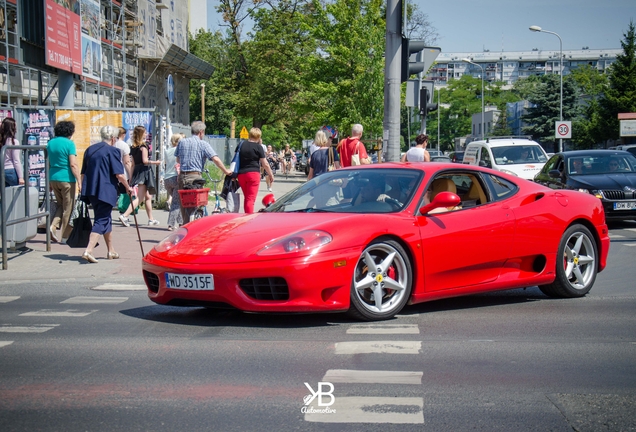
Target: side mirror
<point x="268" y="200"/>
<point x="484" y="164"/>
<point x="555" y="174"/>
<point x="442" y="199"/>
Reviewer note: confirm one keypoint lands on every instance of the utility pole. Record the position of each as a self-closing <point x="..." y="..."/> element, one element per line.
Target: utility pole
<point x="392" y="81"/>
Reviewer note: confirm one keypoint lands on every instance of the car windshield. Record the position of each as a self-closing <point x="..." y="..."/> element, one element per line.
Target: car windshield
<point x="519" y="154"/>
<point x="601" y="164"/>
<point x="381" y="190"/>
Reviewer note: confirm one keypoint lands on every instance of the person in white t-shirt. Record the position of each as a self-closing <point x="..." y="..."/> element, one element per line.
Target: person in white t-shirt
<point x="418" y="153"/>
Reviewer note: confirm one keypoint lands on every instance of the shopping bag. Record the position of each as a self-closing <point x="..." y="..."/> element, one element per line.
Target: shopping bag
<point x="230" y="185"/>
<point x="355" y="158"/>
<point x="235" y="165"/>
<point x="82" y="227"/>
<point x="233" y="202"/>
<point x="123" y="202"/>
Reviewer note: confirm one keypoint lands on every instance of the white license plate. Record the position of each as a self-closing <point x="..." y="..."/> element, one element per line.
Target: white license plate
<point x="197" y="282"/>
<point x="631" y="205"/>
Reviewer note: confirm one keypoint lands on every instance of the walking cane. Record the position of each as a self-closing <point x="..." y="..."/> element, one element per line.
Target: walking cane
<point x="136" y="225"/>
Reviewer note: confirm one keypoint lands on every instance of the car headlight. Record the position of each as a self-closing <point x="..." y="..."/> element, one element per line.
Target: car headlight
<point x="583" y="190"/>
<point x="509" y="172"/>
<point x="598" y="194"/>
<point x="308" y="240"/>
<point x="172" y="240"/>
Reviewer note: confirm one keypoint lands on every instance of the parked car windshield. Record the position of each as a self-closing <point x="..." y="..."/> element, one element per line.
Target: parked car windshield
<point x="353" y="191"/>
<point x="601" y="164"/>
<point x="519" y="154"/>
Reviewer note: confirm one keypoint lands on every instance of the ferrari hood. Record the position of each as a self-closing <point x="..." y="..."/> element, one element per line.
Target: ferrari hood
<point x="605" y="181"/>
<point x="247" y="234"/>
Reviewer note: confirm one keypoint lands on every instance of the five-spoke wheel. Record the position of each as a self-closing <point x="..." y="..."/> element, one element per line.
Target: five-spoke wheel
<point x="382" y="281"/>
<point x="576" y="266"/>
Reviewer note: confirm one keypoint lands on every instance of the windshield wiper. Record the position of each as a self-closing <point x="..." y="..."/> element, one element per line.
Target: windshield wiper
<point x="309" y="210"/>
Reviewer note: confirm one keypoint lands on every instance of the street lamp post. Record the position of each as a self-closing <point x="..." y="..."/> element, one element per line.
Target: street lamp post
<point x="483" y="125"/>
<point x="439" y="107"/>
<point x="203" y="102"/>
<point x="539" y="29"/>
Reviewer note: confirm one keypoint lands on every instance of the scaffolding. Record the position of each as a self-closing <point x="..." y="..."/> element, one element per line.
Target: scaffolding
<point x="118" y="88"/>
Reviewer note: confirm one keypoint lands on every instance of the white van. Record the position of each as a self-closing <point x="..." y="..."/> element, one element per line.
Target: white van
<point x="519" y="156"/>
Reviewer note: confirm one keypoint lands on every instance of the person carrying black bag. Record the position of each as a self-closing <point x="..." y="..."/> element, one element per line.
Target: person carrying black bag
<point x="102" y="170"/>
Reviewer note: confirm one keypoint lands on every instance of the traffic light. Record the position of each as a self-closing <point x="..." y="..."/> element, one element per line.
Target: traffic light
<point x="408" y="67"/>
<point x="426" y="95"/>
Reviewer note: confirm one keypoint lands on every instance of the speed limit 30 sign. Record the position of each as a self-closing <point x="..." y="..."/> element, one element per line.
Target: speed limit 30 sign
<point x="563" y="129"/>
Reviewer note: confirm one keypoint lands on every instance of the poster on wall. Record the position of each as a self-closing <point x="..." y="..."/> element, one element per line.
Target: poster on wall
<point x="63" y="36"/>
<point x="38" y="130"/>
<point x="91" y="45"/>
<point x="130" y="119"/>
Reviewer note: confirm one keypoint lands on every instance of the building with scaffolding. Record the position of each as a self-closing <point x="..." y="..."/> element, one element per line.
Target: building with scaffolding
<point x="103" y="54"/>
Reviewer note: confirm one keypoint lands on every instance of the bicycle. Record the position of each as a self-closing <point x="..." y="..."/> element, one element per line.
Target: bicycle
<point x="197" y="198"/>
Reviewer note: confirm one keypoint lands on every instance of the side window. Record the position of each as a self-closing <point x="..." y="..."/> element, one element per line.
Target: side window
<point x="500" y="187"/>
<point x="466" y="185"/>
<point x="484" y="158"/>
<point x="551" y="165"/>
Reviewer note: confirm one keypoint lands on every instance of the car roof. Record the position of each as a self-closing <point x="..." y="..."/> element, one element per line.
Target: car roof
<point x="503" y="142"/>
<point x="596" y="152"/>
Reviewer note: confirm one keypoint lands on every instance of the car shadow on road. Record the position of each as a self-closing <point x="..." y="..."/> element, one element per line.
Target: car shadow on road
<point x="203" y="317"/>
<point x="198" y="316"/>
<point x="498" y="298"/>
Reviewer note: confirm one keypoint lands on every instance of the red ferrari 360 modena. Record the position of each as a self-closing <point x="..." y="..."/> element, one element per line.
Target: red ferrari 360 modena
<point x="371" y="239"/>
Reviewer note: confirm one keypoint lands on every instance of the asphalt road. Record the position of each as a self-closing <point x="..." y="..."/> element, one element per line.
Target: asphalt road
<point x="101" y="357"/>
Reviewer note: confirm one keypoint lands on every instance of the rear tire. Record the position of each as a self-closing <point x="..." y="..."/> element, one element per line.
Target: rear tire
<point x="382" y="271"/>
<point x="576" y="264"/>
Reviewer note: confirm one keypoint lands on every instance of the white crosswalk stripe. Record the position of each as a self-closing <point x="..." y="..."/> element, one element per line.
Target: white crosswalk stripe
<point x="95" y="300"/>
<point x="54" y="313"/>
<point x="396" y="410"/>
<point x="379" y="347"/>
<point x="615" y="236"/>
<point x="383" y="329"/>
<point x="7" y="299"/>
<point x="41" y="328"/>
<point x="119" y="287"/>
<point x="372" y="377"/>
<point x="5" y="343"/>
<point x="629" y="244"/>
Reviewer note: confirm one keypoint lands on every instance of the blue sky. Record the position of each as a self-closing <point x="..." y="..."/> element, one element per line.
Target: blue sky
<point x="496" y="25"/>
<point x="468" y="25"/>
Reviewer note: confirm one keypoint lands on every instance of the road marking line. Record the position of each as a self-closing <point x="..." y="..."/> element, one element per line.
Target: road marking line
<point x="383" y="329"/>
<point x="372" y="377"/>
<point x="119" y="287"/>
<point x="379" y="347"/>
<point x="403" y="410"/>
<point x="615" y="236"/>
<point x="5" y="343"/>
<point x="53" y="313"/>
<point x="95" y="300"/>
<point x="7" y="299"/>
<point x="27" y="329"/>
<point x="630" y="229"/>
<point x="629" y="244"/>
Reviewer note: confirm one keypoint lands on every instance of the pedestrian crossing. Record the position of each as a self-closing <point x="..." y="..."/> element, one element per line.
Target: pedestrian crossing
<point x="53" y="313"/>
<point x="339" y="406"/>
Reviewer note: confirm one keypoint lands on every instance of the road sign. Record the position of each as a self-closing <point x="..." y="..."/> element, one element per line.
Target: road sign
<point x="170" y="89"/>
<point x="244" y="134"/>
<point x="563" y="129"/>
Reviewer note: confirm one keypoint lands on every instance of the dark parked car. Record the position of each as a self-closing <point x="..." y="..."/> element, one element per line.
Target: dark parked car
<point x="442" y="158"/>
<point x="610" y="175"/>
<point x="457" y="157"/>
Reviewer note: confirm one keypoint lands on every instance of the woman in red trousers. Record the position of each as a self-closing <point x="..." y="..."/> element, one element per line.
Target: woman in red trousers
<point x="251" y="159"/>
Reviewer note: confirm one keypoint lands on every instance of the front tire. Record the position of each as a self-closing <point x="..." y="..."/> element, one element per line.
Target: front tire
<point x="382" y="281"/>
<point x="198" y="214"/>
<point x="576" y="264"/>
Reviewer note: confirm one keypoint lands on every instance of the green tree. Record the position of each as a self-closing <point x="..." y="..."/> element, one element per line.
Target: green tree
<point x="544" y="113"/>
<point x="620" y="96"/>
<point x="591" y="85"/>
<point x="501" y="127"/>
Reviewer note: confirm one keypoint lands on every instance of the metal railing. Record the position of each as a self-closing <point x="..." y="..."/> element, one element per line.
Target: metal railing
<point x="4" y="219"/>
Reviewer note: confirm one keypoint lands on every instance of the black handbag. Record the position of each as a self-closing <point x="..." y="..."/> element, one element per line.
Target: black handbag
<point x="82" y="227"/>
<point x="230" y="185"/>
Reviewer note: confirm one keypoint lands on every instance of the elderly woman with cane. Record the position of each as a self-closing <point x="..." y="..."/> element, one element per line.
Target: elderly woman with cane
<point x="101" y="171"/>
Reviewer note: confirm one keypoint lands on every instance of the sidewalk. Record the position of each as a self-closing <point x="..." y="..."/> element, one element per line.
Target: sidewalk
<point x="35" y="263"/>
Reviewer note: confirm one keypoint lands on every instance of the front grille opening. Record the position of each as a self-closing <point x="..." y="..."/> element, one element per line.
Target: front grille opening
<point x="614" y="194"/>
<point x="152" y="281"/>
<point x="272" y="288"/>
